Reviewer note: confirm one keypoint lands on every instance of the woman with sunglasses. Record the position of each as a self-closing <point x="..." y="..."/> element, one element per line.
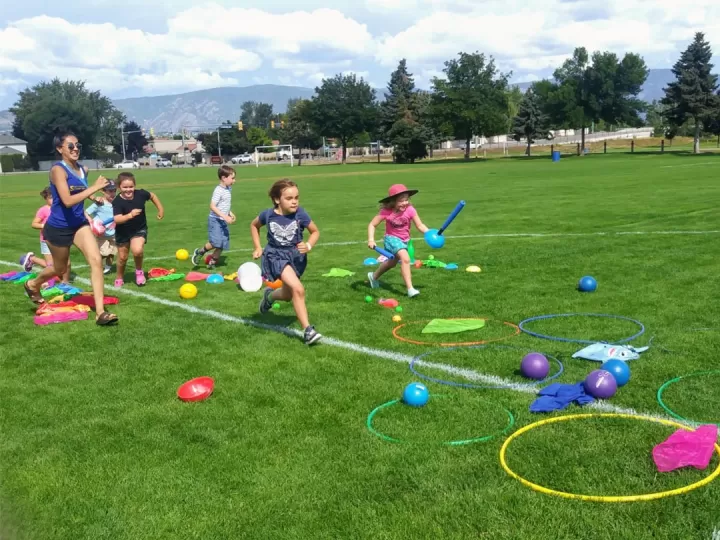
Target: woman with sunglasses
<point x="67" y="224"/>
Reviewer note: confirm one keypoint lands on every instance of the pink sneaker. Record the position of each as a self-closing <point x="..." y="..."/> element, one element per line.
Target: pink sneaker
<point x="139" y="278"/>
<point x="119" y="282"/>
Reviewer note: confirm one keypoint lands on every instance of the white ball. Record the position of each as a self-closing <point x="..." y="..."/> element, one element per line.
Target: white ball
<point x="250" y="283"/>
<point x="249" y="269"/>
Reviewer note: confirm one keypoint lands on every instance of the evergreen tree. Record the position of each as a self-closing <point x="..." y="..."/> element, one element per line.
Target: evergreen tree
<point x="692" y="95"/>
<point x="530" y="122"/>
<point x="400" y="118"/>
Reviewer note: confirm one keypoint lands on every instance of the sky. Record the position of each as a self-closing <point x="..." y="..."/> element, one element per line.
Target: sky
<point x="135" y="48"/>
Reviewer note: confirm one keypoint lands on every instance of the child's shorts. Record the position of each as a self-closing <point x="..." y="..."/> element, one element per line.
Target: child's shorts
<point x="218" y="233"/>
<point x="107" y="246"/>
<point x="393" y="244"/>
<point x="44" y="249"/>
<point x="274" y="261"/>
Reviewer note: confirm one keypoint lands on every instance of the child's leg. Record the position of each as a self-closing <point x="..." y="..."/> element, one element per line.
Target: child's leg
<point x="123" y="252"/>
<point x="384" y="267"/>
<point x="405" y="268"/>
<point x="61" y="257"/>
<point x="137" y="246"/>
<point x="38" y="261"/>
<point x="294" y="288"/>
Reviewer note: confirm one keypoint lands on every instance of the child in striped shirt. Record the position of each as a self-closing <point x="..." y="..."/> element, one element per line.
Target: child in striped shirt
<point x="218" y="220"/>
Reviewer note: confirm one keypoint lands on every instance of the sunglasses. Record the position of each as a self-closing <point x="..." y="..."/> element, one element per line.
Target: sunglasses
<point x="73" y="146"/>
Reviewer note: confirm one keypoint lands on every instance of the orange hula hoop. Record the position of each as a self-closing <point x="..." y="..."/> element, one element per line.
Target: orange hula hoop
<point x="461" y="343"/>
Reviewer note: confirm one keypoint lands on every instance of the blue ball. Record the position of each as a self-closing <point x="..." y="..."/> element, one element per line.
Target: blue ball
<point x="587" y="284"/>
<point x="619" y="370"/>
<point x="434" y="240"/>
<point x="416" y="394"/>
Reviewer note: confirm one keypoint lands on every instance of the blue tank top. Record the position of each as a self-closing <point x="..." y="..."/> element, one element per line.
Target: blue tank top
<point x="62" y="217"/>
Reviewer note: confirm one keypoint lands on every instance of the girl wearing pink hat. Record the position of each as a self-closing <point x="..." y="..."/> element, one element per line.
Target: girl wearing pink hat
<point x="398" y="214"/>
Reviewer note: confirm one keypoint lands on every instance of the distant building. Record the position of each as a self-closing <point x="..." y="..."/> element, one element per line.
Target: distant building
<point x="12" y="145"/>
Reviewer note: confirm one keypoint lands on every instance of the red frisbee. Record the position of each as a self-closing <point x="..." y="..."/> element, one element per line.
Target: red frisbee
<point x="196" y="389"/>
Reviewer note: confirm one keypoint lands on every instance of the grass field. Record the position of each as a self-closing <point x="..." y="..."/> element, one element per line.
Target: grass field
<point x="96" y="445"/>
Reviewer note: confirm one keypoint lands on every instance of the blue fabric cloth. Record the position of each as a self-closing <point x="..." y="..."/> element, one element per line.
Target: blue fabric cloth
<point x="274" y="261"/>
<point x="393" y="244"/>
<point x="284" y="231"/>
<point x="103" y="212"/>
<point x="558" y="396"/>
<point x="218" y="233"/>
<point x="73" y="217"/>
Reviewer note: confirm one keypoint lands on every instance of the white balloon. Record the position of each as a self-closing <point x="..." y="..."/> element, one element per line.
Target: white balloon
<point x="249" y="269"/>
<point x="250" y="283"/>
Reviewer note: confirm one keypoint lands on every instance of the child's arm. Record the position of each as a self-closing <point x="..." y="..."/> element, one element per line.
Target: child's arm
<point x="37" y="223"/>
<point x="304" y="247"/>
<point x="419" y="224"/>
<point x="228" y="218"/>
<point x="255" y="233"/>
<point x="90" y="212"/>
<point x="371" y="230"/>
<point x="124" y="218"/>
<point x="156" y="202"/>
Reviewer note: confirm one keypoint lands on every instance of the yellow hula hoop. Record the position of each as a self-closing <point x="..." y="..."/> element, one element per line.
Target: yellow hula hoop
<point x="603" y="498"/>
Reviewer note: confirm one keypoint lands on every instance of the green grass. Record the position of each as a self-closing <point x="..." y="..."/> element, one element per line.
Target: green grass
<point x="96" y="445"/>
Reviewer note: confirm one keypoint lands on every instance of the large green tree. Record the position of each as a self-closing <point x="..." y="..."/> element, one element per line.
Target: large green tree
<point x="531" y="123"/>
<point x="472" y="98"/>
<point x="49" y="106"/>
<point x="254" y="114"/>
<point x="134" y="138"/>
<point x="400" y="123"/>
<point x="299" y="128"/>
<point x="344" y="106"/>
<point x="692" y="96"/>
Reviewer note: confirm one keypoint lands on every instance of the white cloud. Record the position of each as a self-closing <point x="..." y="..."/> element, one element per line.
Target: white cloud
<point x="285" y="33"/>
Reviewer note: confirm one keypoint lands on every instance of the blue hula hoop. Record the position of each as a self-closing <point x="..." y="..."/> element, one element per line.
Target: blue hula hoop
<point x="480" y="386"/>
<point x="521" y="325"/>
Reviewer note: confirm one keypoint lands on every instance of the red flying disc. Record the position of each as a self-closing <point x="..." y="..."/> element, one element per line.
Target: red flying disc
<point x="196" y="389"/>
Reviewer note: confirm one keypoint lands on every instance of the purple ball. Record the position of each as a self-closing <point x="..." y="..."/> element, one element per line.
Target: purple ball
<point x="535" y="366"/>
<point x="601" y="384"/>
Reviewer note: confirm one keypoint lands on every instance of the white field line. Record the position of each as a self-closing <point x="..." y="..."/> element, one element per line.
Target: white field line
<point x="481" y="378"/>
<point x="689" y="164"/>
<point x="489" y="235"/>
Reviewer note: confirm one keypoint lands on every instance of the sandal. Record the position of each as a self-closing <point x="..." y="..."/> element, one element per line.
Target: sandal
<point x="106" y="318"/>
<point x="34" y="296"/>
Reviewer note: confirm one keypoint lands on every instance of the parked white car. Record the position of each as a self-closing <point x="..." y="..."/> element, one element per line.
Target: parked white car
<point x="242" y="158"/>
<point x="163" y="163"/>
<point x="127" y="164"/>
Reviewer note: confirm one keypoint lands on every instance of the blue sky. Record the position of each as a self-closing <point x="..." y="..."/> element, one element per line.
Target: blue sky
<point x="135" y="48"/>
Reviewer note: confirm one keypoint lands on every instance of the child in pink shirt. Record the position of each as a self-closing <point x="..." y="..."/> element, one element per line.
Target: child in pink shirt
<point x="398" y="214"/>
<point x="41" y="216"/>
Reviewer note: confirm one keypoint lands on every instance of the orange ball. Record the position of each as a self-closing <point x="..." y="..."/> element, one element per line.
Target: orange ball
<point x="273" y="284"/>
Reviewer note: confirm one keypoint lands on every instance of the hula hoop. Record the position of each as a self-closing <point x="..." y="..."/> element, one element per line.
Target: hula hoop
<point x="459" y="344"/>
<point x="522" y="324"/>
<point x="676" y="379"/>
<point x="479" y="386"/>
<point x="484" y="438"/>
<point x="603" y="498"/>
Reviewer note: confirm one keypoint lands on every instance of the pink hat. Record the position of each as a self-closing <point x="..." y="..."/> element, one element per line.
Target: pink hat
<point x="398" y="189"/>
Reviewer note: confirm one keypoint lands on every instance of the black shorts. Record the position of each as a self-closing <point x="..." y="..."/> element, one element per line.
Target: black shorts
<point x="61" y="237"/>
<point x="120" y="240"/>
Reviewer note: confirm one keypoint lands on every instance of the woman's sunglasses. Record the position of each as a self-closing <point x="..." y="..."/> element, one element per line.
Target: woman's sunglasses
<point x="73" y="146"/>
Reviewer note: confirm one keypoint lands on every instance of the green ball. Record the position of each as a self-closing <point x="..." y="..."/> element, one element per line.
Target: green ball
<point x="368" y="299"/>
<point x="398" y="309"/>
<point x="276" y="305"/>
<point x="431" y="257"/>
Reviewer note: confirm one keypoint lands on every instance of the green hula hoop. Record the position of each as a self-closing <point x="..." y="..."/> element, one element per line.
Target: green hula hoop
<point x="484" y="438"/>
<point x="676" y="379"/>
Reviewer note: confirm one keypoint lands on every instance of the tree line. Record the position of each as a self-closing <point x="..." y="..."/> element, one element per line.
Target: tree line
<point x="472" y="98"/>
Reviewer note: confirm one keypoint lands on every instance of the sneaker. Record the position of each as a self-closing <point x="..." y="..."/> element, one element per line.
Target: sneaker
<point x="312" y="336"/>
<point x="139" y="278"/>
<point x="107" y="269"/>
<point x="196" y="257"/>
<point x="266" y="302"/>
<point x="374" y="283"/>
<point x="119" y="283"/>
<point x="413" y="292"/>
<point x="27" y="261"/>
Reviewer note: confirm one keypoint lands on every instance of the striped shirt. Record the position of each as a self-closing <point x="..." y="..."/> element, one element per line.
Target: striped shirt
<point x="222" y="198"/>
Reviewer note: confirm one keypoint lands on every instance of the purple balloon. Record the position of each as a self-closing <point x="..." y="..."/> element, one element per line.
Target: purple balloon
<point x="601" y="384"/>
<point x="535" y="366"/>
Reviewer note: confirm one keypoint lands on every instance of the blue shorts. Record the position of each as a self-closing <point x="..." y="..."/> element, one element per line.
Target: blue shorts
<point x="218" y="233"/>
<point x="393" y="244"/>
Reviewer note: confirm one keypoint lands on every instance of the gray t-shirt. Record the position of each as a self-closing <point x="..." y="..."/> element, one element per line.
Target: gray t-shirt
<point x="222" y="197"/>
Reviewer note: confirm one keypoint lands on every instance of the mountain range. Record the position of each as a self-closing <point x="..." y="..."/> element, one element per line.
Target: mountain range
<point x="207" y="108"/>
